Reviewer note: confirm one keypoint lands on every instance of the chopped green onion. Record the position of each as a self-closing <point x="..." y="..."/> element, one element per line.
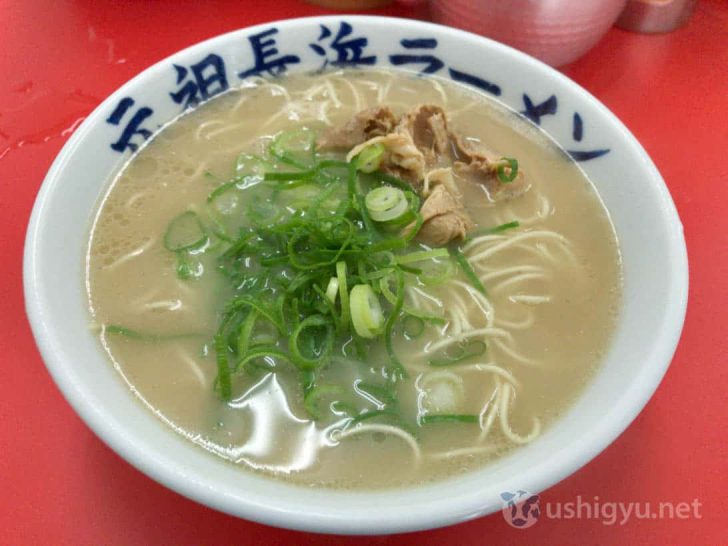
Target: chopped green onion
<point x="332" y="170"/>
<point x="381" y="394"/>
<point x="315" y="230"/>
<point x="468" y="270"/>
<point x="352" y="179"/>
<point x="436" y="271"/>
<point x="283" y="176"/>
<point x="464" y="351"/>
<point x="294" y="254"/>
<point x="492" y="230"/>
<point x="315" y="335"/>
<point x="366" y="312"/>
<point x="387" y="244"/>
<point x="263" y="212"/>
<point x="186" y="269"/>
<point x="115" y="329"/>
<point x="327" y="308"/>
<point x="422" y="255"/>
<point x="312" y="398"/>
<point x="413" y="205"/>
<point x="343" y="292"/>
<point x="264" y="352"/>
<point x="415" y="229"/>
<point x="185" y="232"/>
<point x="504" y="227"/>
<point x="243" y="301"/>
<point x="332" y="289"/>
<point x="365" y="217"/>
<point x="325" y="197"/>
<point x="308" y="379"/>
<point x="221" y="189"/>
<point x="389" y="325"/>
<point x="391" y="297"/>
<point x="413" y="327"/>
<point x="512" y="166"/>
<point x="386" y="203"/>
<point x="246" y="330"/>
<point x="379" y="273"/>
<point x="224" y="383"/>
<point x="295" y="148"/>
<point x="409" y="269"/>
<point x="370" y="158"/>
<point x="449" y="418"/>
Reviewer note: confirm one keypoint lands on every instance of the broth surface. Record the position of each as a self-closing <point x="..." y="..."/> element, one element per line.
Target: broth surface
<point x="554" y="288"/>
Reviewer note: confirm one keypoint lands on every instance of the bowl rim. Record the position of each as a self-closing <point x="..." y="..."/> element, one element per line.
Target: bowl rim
<point x="542" y="476"/>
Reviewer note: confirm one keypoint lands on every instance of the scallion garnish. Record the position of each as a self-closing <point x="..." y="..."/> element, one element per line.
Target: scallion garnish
<point x="384" y="394"/>
<point x="296" y="148"/>
<point x="115" y="329"/>
<point x="343" y="291"/>
<point x="268" y="354"/>
<point x="311" y="342"/>
<point x="386" y="204"/>
<point x="313" y="397"/>
<point x="392" y="298"/>
<point x="448" y="418"/>
<point x="422" y="255"/>
<point x="413" y="327"/>
<point x="370" y="158"/>
<point x="463" y="351"/>
<point x="224" y="383"/>
<point x="317" y="256"/>
<point x="468" y="271"/>
<point x="366" y="312"/>
<point x="332" y="289"/>
<point x="288" y="177"/>
<point x="492" y="230"/>
<point x="185" y="232"/>
<point x="389" y="325"/>
<point x="507" y="169"/>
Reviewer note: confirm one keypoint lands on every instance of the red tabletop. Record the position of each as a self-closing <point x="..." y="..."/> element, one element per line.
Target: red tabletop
<point x="60" y="485"/>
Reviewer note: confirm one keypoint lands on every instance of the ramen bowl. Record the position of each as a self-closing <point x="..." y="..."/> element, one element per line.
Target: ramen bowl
<point x="649" y="231"/>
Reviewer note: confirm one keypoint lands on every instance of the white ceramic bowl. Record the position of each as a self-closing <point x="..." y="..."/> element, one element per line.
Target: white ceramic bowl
<point x="650" y="233"/>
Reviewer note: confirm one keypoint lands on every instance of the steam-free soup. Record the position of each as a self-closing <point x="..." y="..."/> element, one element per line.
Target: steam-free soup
<point x="453" y="332"/>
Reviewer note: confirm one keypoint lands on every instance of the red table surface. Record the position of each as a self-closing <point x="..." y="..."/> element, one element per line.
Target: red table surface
<point x="60" y="485"/>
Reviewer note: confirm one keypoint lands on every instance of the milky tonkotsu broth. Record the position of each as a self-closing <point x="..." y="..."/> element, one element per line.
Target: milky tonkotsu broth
<point x="553" y="293"/>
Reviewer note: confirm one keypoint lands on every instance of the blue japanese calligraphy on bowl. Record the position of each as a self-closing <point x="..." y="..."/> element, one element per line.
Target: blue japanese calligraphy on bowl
<point x="649" y="230"/>
<point x="339" y="43"/>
